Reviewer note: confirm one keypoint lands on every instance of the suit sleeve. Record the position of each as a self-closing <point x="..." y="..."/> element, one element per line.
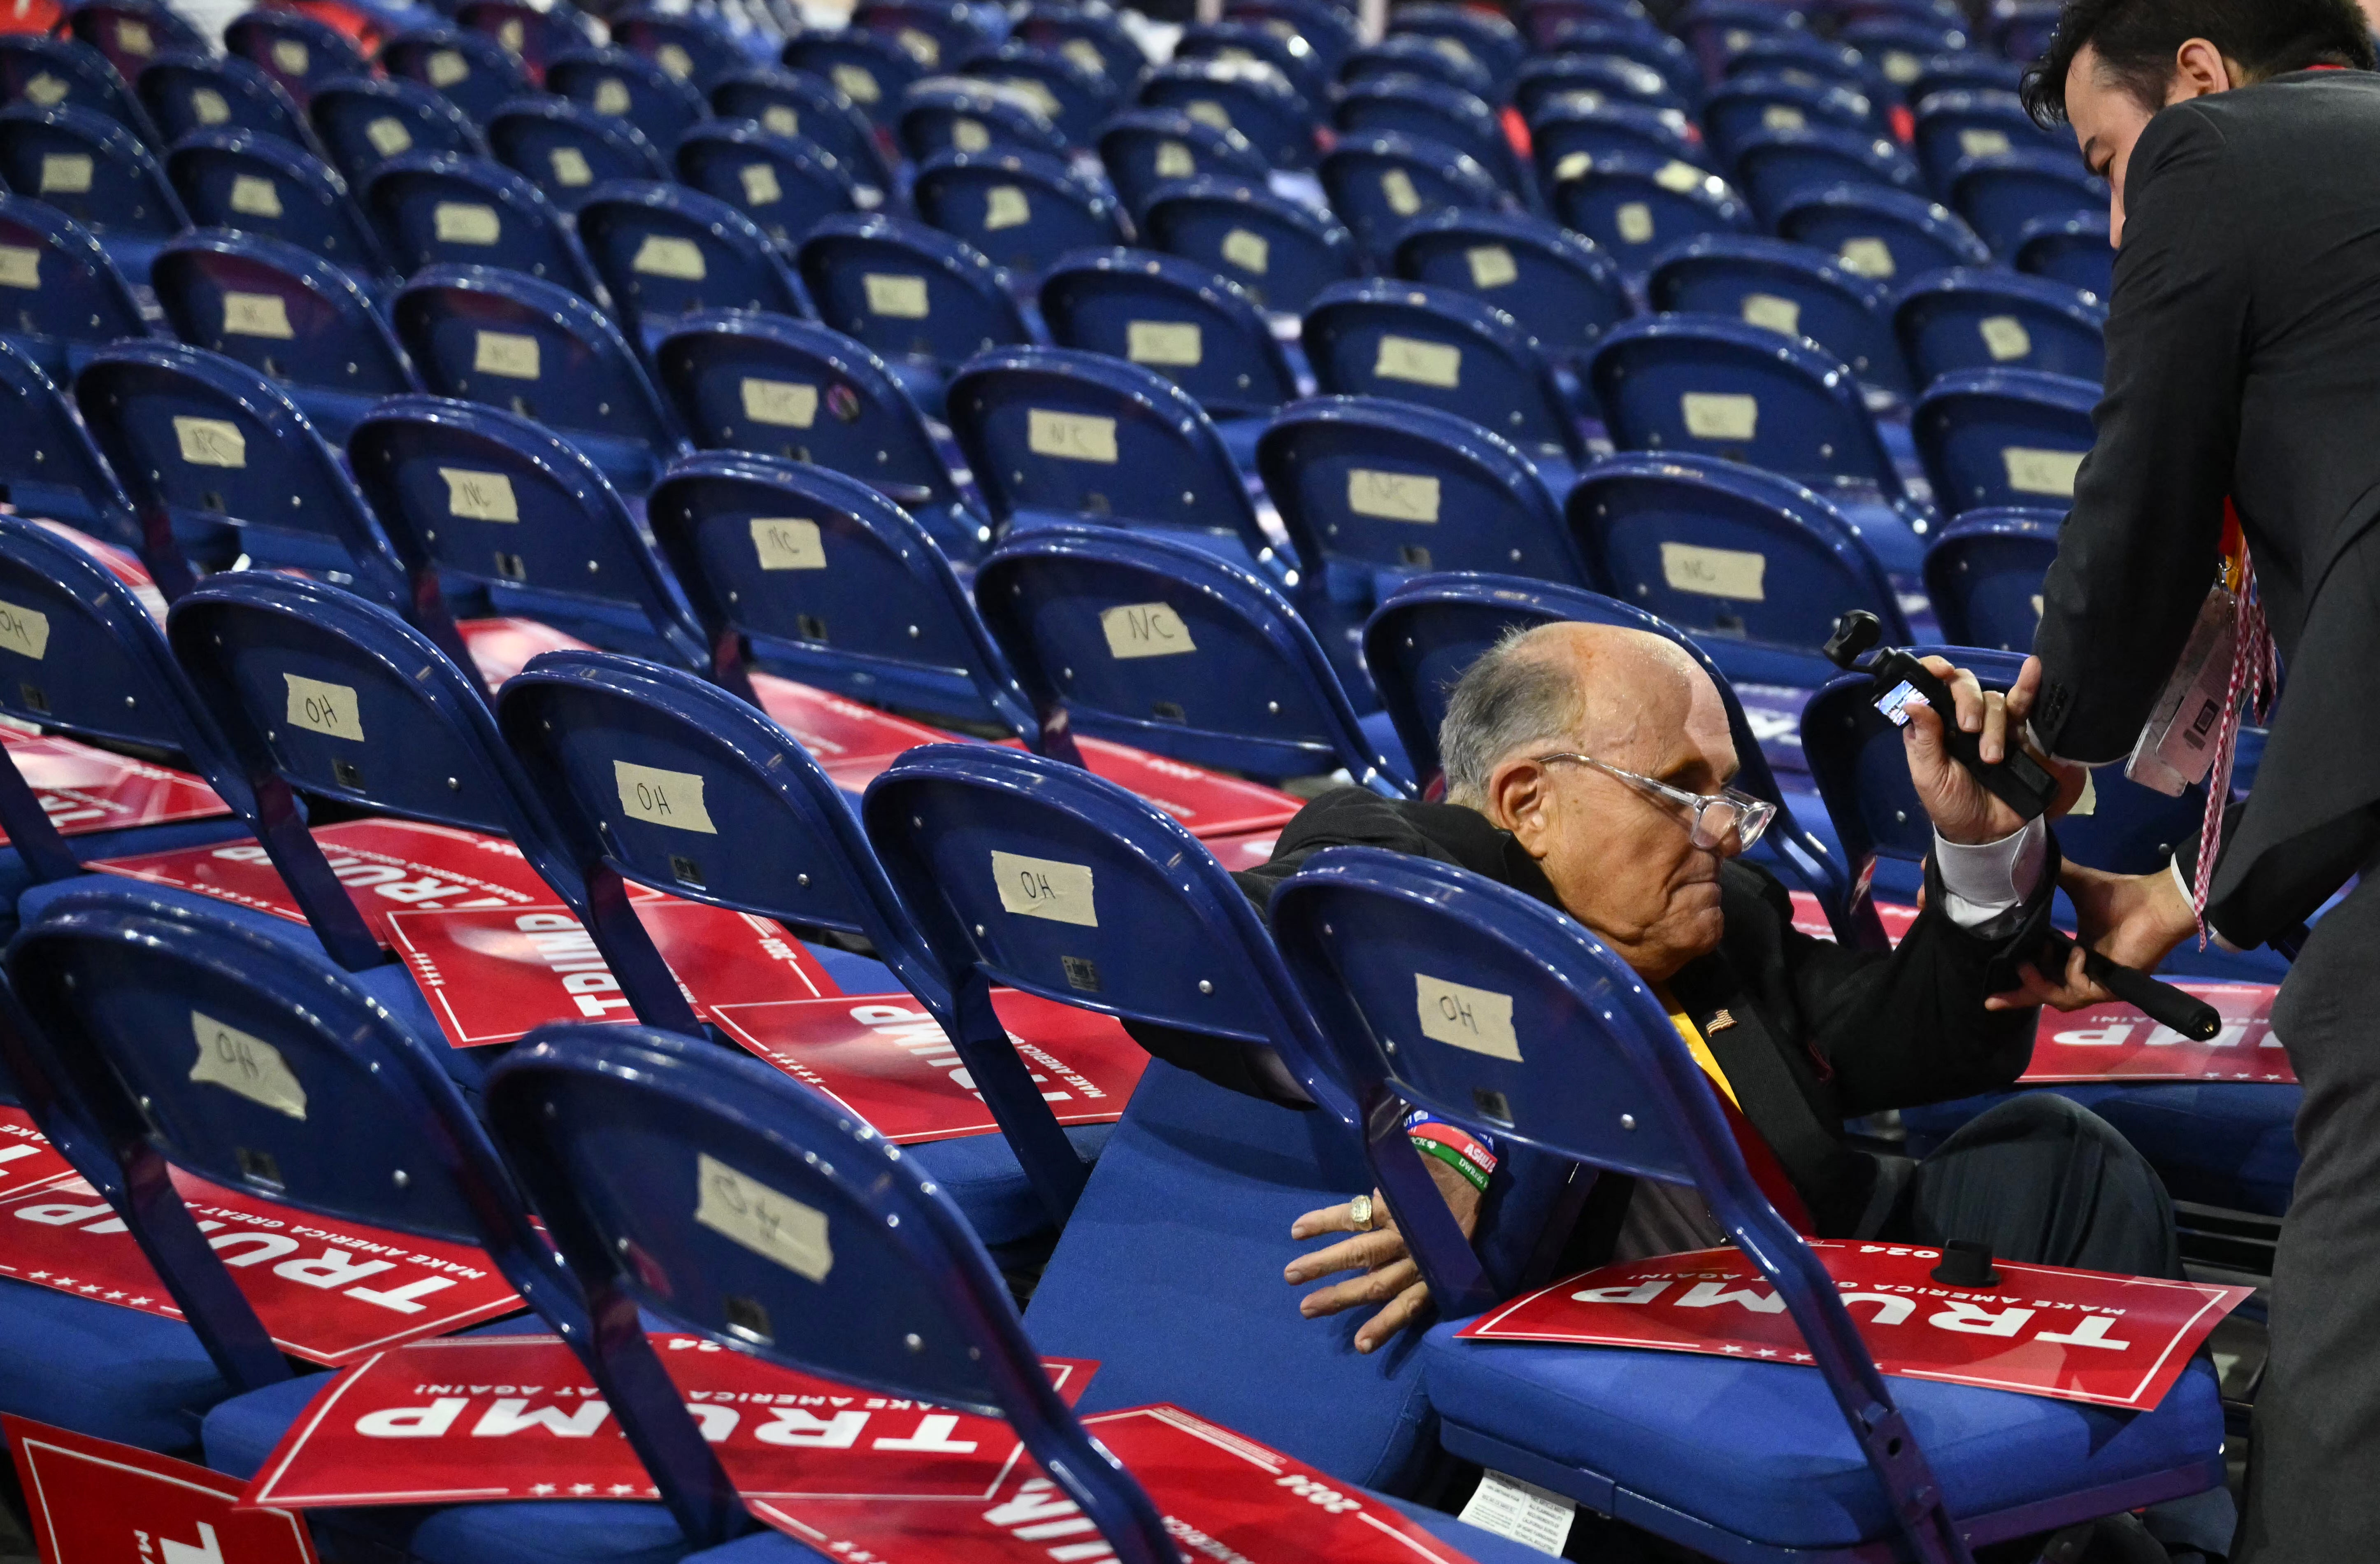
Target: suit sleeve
<point x="2138" y="551"/>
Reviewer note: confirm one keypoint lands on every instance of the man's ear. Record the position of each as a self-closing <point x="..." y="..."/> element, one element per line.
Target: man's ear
<point x="2200" y="69"/>
<point x="1519" y="799"/>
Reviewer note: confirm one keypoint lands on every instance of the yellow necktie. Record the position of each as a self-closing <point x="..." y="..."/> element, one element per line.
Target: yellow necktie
<point x="1696" y="1046"/>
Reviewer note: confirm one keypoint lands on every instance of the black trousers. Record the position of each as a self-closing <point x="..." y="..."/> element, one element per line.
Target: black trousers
<point x="2313" y="1467"/>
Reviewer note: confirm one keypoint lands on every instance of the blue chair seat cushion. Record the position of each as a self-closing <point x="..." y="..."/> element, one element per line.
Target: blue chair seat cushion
<point x="981" y="1173"/>
<point x="113" y="1373"/>
<point x="1761" y="1450"/>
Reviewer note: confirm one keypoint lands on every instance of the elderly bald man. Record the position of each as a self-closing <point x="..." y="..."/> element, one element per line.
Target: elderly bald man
<point x="1589" y="766"/>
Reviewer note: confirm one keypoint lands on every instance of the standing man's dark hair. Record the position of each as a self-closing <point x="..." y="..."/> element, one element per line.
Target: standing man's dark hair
<point x="2136" y="42"/>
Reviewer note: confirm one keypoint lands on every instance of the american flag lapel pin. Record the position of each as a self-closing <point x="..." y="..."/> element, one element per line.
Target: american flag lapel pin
<point x="1721" y="1020"/>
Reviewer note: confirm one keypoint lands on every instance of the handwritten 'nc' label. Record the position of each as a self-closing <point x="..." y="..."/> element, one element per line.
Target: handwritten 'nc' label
<point x="509" y="353"/>
<point x="662" y="798"/>
<point x="1169" y="344"/>
<point x="1422" y="363"/>
<point x="257" y="314"/>
<point x="1712" y="415"/>
<point x="480" y="497"/>
<point x="1071" y="436"/>
<point x="1145" y="630"/>
<point x="1465" y="1017"/>
<point x="249" y="1066"/>
<point x="769" y="1223"/>
<point x="210" y="442"/>
<point x="2042" y="472"/>
<point x="788" y="543"/>
<point x="1044" y="888"/>
<point x="788" y="404"/>
<point x="1392" y="496"/>
<point x="321" y="707"/>
<point x="1715" y="572"/>
<point x="894" y="295"/>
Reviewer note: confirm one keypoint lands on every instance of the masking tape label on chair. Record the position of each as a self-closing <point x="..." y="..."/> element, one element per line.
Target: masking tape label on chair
<point x="465" y="221"/>
<point x="788" y="543"/>
<point x="1772" y="313"/>
<point x="254" y="196"/>
<point x="1491" y="266"/>
<point x="20" y="266"/>
<point x="894" y="296"/>
<point x="1145" y="629"/>
<point x="1392" y="496"/>
<point x="388" y="136"/>
<point x="257" y="314"/>
<point x="662" y="798"/>
<point x="1070" y="436"/>
<point x="784" y="404"/>
<point x="2042" y="472"/>
<point x="1716" y="572"/>
<point x="446" y="67"/>
<point x="509" y="353"/>
<point x="1478" y="1019"/>
<point x="1045" y="887"/>
<point x="1249" y="253"/>
<point x="1867" y="256"/>
<point x="321" y="707"/>
<point x="1418" y="362"/>
<point x="65" y="173"/>
<point x="210" y="442"/>
<point x="1174" y="161"/>
<point x="659" y="255"/>
<point x="24" y="630"/>
<point x="772" y="1225"/>
<point x="1004" y="206"/>
<point x="1712" y="415"/>
<point x="779" y="120"/>
<point x="1171" y="344"/>
<point x="480" y="497"/>
<point x="209" y="106"/>
<point x="249" y="1066"/>
<point x="570" y="167"/>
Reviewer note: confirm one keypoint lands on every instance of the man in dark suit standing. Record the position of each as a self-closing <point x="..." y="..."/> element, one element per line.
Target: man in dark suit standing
<point x="2240" y="138"/>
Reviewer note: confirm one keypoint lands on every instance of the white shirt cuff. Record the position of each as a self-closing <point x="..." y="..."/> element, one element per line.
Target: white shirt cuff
<point x="1982" y="882"/>
<point x="2189" y="892"/>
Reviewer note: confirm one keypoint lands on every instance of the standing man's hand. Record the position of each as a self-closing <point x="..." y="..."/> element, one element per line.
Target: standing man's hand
<point x="2133" y="919"/>
<point x="1962" y="809"/>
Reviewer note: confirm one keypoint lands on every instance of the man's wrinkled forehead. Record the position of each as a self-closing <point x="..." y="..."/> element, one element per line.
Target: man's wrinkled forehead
<point x="1640" y="691"/>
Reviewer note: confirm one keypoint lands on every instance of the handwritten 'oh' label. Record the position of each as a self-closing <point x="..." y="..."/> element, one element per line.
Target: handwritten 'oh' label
<point x="1714" y="415"/>
<point x="612" y="96"/>
<point x="1249" y="253"/>
<point x="1715" y="572"/>
<point x="786" y="404"/>
<point x="1145" y="629"/>
<point x="208" y="107"/>
<point x="1420" y="364"/>
<point x="2005" y="339"/>
<point x="1397" y="190"/>
<point x="1866" y="257"/>
<point x="1770" y="313"/>
<point x="246" y="1065"/>
<point x="768" y="1222"/>
<point x="780" y="119"/>
<point x="1391" y="497"/>
<point x="388" y="136"/>
<point x="1491" y="266"/>
<point x="257" y="314"/>
<point x="323" y="707"/>
<point x="1174" y="161"/>
<point x="659" y="255"/>
<point x="660" y="797"/>
<point x="210" y="442"/>
<point x="570" y="167"/>
<point x="480" y="497"/>
<point x="788" y="543"/>
<point x="65" y="173"/>
<point x="508" y="353"/>
<point x="1478" y="1019"/>
<point x="25" y="631"/>
<point x="1171" y="344"/>
<point x="1044" y="888"/>
<point x="466" y="221"/>
<point x="252" y="195"/>
<point x="857" y="84"/>
<point x="759" y="182"/>
<point x="894" y="295"/>
<point x="1070" y="436"/>
<point x="20" y="266"/>
<point x="1634" y="221"/>
<point x="2034" y="472"/>
<point x="1004" y="206"/>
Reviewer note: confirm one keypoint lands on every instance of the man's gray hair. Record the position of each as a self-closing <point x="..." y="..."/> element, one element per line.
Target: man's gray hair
<point x="1513" y="698"/>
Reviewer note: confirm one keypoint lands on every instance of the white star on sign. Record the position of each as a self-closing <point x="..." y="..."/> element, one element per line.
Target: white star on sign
<point x="1768" y="1352"/>
<point x="88" y="1286"/>
<point x="582" y="1487"/>
<point x="1804" y="1358"/>
<point x="540" y="1488"/>
<point x="114" y="1295"/>
<point x="41" y="1276"/>
<point x="137" y="1302"/>
<point x="623" y="1487"/>
<point x="1731" y="1346"/>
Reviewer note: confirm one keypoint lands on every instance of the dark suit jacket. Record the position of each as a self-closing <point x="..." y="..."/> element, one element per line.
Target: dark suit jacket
<point x="1820" y="1032"/>
<point x="2244" y="359"/>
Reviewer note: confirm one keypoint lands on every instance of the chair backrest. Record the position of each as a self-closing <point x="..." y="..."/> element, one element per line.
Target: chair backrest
<point x="815" y="1245"/>
<point x="50" y="468"/>
<point x="470" y="493"/>
<point x="566" y="148"/>
<point x="53" y="72"/>
<point x="1576" y="27"/>
<point x="2001" y="193"/>
<point x="1715" y="386"/>
<point x="794" y="567"/>
<point x="784" y="183"/>
<point x="535" y="36"/>
<point x="1978" y="122"/>
<point x="1762" y="102"/>
<point x="1058" y="432"/>
<point x="630" y="87"/>
<point x="59" y="291"/>
<point x="1411" y="342"/>
<point x="297" y="51"/>
<point x="1022" y="209"/>
<point x="1092" y="39"/>
<point x="908" y="291"/>
<point x="431" y="207"/>
<point x="2072" y="249"/>
<point x="1371" y="490"/>
<point x="1993" y="438"/>
<point x="1490" y="39"/>
<point x="1199" y="330"/>
<point x="1281" y="251"/>
<point x="1378" y="180"/>
<point x="1248" y="96"/>
<point x="262" y="184"/>
<point x="90" y="168"/>
<point x="695" y="47"/>
<point x="363" y="121"/>
<point x="1637" y="207"/>
<point x="186" y="92"/>
<point x="1752" y="565"/>
<point x="1984" y="575"/>
<point x="1163" y="646"/>
<point x="282" y="311"/>
<point x="1328" y="27"/>
<point x="870" y="71"/>
<point x="959" y="114"/>
<point x="1144" y="149"/>
<point x="1573" y="132"/>
<point x="1969" y="70"/>
<point x="665" y="252"/>
<point x="1793" y="289"/>
<point x="1562" y="288"/>
<point x="1888" y="235"/>
<point x="1237" y="39"/>
<point x="1777" y="165"/>
<point x="796" y="102"/>
<point x="1431" y="111"/>
<point x="937" y="36"/>
<point x="1795" y="50"/>
<point x="131" y="34"/>
<point x="1975" y="319"/>
<point x="1076" y="100"/>
<point x="542" y="351"/>
<point x="471" y="70"/>
<point x="799" y="391"/>
<point x="1572" y="75"/>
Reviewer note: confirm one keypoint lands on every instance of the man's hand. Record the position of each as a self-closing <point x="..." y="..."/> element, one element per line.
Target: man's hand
<point x="2133" y="919"/>
<point x="1962" y="809"/>
<point x="1390" y="1276"/>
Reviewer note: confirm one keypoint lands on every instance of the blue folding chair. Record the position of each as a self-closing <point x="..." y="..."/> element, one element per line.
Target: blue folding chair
<point x="794" y="103"/>
<point x="51" y="469"/>
<point x="1489" y="40"/>
<point x="1838" y="1465"/>
<point x="365" y="120"/>
<point x="45" y="73"/>
<point x="1715" y="30"/>
<point x="1095" y="39"/>
<point x="695" y="47"/>
<point x="1562" y="287"/>
<point x="1754" y="565"/>
<point x="954" y="114"/>
<point x="1995" y="439"/>
<point x="926" y="300"/>
<point x="1984" y="575"/>
<point x="473" y="498"/>
<point x="803" y="392"/>
<point x="620" y="85"/>
<point x="1328" y="27"/>
<point x="566" y="148"/>
<point x="1977" y="319"/>
<point x="1076" y="100"/>
<point x="1411" y="342"/>
<point x="431" y="207"/>
<point x="1199" y="330"/>
<point x="1144" y="149"/>
<point x="665" y="252"/>
<point x="61" y="295"/>
<point x="1955" y="126"/>
<point x="1429" y="111"/>
<point x="784" y="183"/>
<point x="1052" y="434"/>
<point x="938" y="36"/>
<point x="1636" y="207"/>
<point x="298" y="51"/>
<point x="1159" y="645"/>
<point x="1879" y="233"/>
<point x="186" y="92"/>
<point x="1431" y="628"/>
<point x="1794" y="51"/>
<point x="1379" y="181"/>
<point x="469" y="70"/>
<point x="1584" y="30"/>
<point x="1764" y="102"/>
<point x="2001" y="193"/>
<point x="2022" y="29"/>
<point x="1282" y="251"/>
<point x="872" y="72"/>
<point x="131" y="34"/>
<point x="1788" y="289"/>
<point x="1237" y="38"/>
<point x="287" y="313"/>
<point x="220" y="462"/>
<point x="1571" y="134"/>
<point x="542" y="351"/>
<point x="1972" y="70"/>
<point x="1022" y="209"/>
<point x="1248" y="96"/>
<point x="2073" y="250"/>
<point x="1549" y="81"/>
<point x="95" y="171"/>
<point x="1773" y="168"/>
<point x="531" y="35"/>
<point x="263" y="185"/>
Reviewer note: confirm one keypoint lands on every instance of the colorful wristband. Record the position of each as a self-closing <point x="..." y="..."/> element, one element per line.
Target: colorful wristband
<point x="1457" y="1148"/>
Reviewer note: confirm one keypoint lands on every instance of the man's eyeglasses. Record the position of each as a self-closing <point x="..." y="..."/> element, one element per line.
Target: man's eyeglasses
<point x="1714" y="815"/>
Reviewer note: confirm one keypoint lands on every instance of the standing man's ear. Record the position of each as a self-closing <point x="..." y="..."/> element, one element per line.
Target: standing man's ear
<point x="2200" y="69"/>
<point x="1519" y="799"/>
